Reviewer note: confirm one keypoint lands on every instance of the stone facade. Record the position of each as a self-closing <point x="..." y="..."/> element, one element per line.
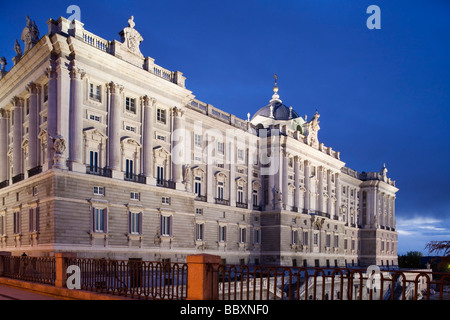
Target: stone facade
<point x="105" y="153"/>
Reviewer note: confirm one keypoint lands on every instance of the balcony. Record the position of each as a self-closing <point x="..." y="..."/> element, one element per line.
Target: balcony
<point x="34" y="171"/>
<point x="200" y="198"/>
<point x="256" y="207"/>
<point x="242" y="205"/>
<point x="138" y="178"/>
<point x="4" y="184"/>
<point x="18" y="178"/>
<point x="99" y="171"/>
<point x="165" y="183"/>
<point x="222" y="202"/>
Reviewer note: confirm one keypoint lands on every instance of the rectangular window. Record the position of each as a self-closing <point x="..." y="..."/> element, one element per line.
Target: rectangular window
<point x="198" y="140"/>
<point x="94" y="117"/>
<point x="93" y="161"/>
<point x="165" y="200"/>
<point x="305" y="238"/>
<point x="99" y="191"/>
<point x="46" y="93"/>
<point x="242" y="235"/>
<point x="2" y="225"/>
<point x="161" y="115"/>
<point x="336" y="241"/>
<point x="99" y="220"/>
<point x="240" y="198"/>
<point x="220" y="190"/>
<point x="198" y="186"/>
<point x="135" y="222"/>
<point x="257" y="236"/>
<point x="159" y="174"/>
<point x="199" y="211"/>
<point x="94" y="91"/>
<point x="294" y="237"/>
<point x="35" y="191"/>
<point x="222" y="233"/>
<point x="240" y="153"/>
<point x="134" y="195"/>
<point x="130" y="104"/>
<point x="316" y="239"/>
<point x="129" y="170"/>
<point x="255" y="197"/>
<point x="328" y="240"/>
<point x="16" y="222"/>
<point x="130" y="128"/>
<point x="33" y="219"/>
<point x="220" y="147"/>
<point x="166" y="225"/>
<point x="199" y="231"/>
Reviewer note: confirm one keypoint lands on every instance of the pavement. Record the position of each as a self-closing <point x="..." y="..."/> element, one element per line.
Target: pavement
<point x="15" y="293"/>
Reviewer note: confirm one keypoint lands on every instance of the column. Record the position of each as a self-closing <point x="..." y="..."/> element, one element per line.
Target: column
<point x="62" y="116"/>
<point x="338" y="195"/>
<point x="320" y="191"/>
<point x="231" y="178"/>
<point x="330" y="193"/>
<point x="115" y="112"/>
<point x="297" y="182"/>
<point x="33" y="127"/>
<point x="284" y="180"/>
<point x="307" y="186"/>
<point x="210" y="181"/>
<point x="17" y="131"/>
<point x="76" y="121"/>
<point x="147" y="137"/>
<point x="178" y="147"/>
<point x="51" y="116"/>
<point x="251" y="150"/>
<point x="3" y="146"/>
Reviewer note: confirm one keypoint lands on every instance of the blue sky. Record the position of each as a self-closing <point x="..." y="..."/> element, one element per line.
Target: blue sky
<point x="383" y="95"/>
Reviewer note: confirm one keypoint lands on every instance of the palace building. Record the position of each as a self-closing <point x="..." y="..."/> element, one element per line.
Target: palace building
<point x="107" y="154"/>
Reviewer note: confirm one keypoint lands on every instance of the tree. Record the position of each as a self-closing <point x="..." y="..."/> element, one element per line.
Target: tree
<point x="439" y="247"/>
<point x="412" y="259"/>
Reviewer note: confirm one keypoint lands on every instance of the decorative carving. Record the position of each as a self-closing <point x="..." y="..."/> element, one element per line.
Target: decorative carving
<point x="3" y="64"/>
<point x="59" y="144"/>
<point x="132" y="38"/>
<point x="187" y="177"/>
<point x="278" y="195"/>
<point x="313" y="129"/>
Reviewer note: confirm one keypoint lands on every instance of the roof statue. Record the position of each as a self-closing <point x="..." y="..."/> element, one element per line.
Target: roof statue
<point x="3" y="64"/>
<point x="131" y="38"/>
<point x="30" y="34"/>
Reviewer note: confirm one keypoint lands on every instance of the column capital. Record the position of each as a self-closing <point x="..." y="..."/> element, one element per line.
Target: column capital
<point x="32" y="88"/>
<point x="115" y="88"/>
<point x="77" y="73"/>
<point x="148" y="101"/>
<point x="177" y="112"/>
<point x="50" y="72"/>
<point x="17" y="102"/>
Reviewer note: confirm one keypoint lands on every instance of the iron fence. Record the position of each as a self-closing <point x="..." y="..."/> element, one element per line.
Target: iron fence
<point x="33" y="269"/>
<point x="132" y="278"/>
<point x="240" y="282"/>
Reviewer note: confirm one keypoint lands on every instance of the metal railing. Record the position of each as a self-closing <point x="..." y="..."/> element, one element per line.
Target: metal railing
<point x="33" y="269"/>
<point x="104" y="172"/>
<point x="133" y="278"/>
<point x="241" y="282"/>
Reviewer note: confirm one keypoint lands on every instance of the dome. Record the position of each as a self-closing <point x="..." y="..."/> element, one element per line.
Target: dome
<point x="280" y="112"/>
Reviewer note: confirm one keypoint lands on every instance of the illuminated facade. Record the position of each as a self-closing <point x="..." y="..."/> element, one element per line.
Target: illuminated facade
<point x="107" y="154"/>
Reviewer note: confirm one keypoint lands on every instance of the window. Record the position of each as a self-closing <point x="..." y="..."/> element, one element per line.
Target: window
<point x="166" y="225"/>
<point x="199" y="211"/>
<point x="255" y="197"/>
<point x="94" y="91"/>
<point x="199" y="231"/>
<point x="16" y="222"/>
<point x="135" y="195"/>
<point x="129" y="168"/>
<point x="99" y="220"/>
<point x="336" y="241"/>
<point x="94" y="117"/>
<point x="159" y="174"/>
<point x="316" y="239"/>
<point x="240" y="198"/>
<point x="135" y="222"/>
<point x="220" y="147"/>
<point x="165" y="200"/>
<point x="130" y="104"/>
<point x="198" y="140"/>
<point x="46" y="93"/>
<point x="33" y="219"/>
<point x="240" y="153"/>
<point x="220" y="190"/>
<point x="328" y="240"/>
<point x="222" y="233"/>
<point x="130" y="128"/>
<point x="2" y="225"/>
<point x="161" y="115"/>
<point x="305" y="238"/>
<point x="93" y="161"/>
<point x="294" y="237"/>
<point x="242" y="235"/>
<point x="257" y="236"/>
<point x="99" y="191"/>
<point x="198" y="186"/>
<point x="35" y="191"/>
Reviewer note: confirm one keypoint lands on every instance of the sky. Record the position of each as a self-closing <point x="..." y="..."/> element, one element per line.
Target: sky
<point x="383" y="94"/>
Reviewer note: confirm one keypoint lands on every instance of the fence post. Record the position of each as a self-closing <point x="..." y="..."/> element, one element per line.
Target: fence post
<point x="203" y="279"/>
<point x="2" y="261"/>
<point x="61" y="264"/>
